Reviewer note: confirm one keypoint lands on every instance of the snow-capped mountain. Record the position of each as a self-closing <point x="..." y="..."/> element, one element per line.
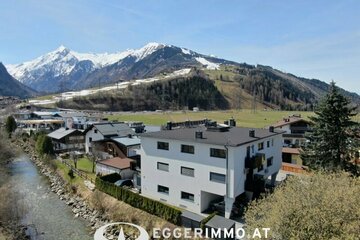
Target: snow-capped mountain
<point x="65" y="69"/>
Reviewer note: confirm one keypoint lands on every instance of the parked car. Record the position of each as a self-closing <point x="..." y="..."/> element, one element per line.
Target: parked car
<point x="220" y="207"/>
<point x="124" y="183"/>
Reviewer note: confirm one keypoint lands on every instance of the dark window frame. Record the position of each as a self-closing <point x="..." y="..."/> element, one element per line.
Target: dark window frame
<point x="217" y="180"/>
<point x="190" y="197"/>
<point x="217" y="152"/>
<point x="162" y="189"/>
<point x="162" y="163"/>
<point x="181" y="171"/>
<point x="190" y="149"/>
<point x="269" y="160"/>
<point x="260" y="146"/>
<point x="163" y="145"/>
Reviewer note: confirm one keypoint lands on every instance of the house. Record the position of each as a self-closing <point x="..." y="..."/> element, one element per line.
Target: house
<point x="122" y="166"/>
<point x="105" y="130"/>
<point x="295" y="128"/>
<point x="65" y="140"/>
<point x="190" y="167"/>
<point x="74" y="120"/>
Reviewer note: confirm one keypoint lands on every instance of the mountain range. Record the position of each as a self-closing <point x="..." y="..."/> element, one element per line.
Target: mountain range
<point x="64" y="70"/>
<point x="9" y="86"/>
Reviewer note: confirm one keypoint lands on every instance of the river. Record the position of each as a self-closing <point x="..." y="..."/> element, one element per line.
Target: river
<point x="49" y="218"/>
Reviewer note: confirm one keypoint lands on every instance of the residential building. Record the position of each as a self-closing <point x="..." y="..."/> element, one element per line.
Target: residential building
<point x="122" y="166"/>
<point x="105" y="130"/>
<point x="294" y="128"/>
<point x="191" y="167"/>
<point x="65" y="140"/>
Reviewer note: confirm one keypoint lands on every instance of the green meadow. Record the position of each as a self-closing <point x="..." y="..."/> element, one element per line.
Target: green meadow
<point x="244" y="118"/>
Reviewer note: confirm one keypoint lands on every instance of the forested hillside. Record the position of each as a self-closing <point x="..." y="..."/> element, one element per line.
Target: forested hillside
<point x="178" y="93"/>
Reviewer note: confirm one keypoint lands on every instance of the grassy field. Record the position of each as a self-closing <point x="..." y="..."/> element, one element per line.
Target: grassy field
<point x="83" y="164"/>
<point x="244" y="118"/>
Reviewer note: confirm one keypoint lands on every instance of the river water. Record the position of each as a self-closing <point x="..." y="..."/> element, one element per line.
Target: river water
<point x="49" y="218"/>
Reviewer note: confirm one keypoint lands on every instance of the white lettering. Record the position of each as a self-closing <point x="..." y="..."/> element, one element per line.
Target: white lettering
<point x="156" y="232"/>
<point x="228" y="233"/>
<point x="256" y="233"/>
<point x="166" y="232"/>
<point x="266" y="231"/>
<point x="215" y="233"/>
<point x="198" y="233"/>
<point x="238" y="235"/>
<point x="177" y="233"/>
<point x="187" y="233"/>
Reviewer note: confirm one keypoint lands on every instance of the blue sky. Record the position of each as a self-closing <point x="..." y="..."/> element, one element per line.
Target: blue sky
<point x="319" y="39"/>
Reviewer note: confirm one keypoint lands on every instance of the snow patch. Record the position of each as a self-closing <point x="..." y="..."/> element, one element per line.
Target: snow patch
<point x="208" y="64"/>
<point x="185" y="51"/>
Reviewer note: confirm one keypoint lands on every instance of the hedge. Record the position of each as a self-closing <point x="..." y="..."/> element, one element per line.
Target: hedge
<point x="157" y="208"/>
<point x="207" y="219"/>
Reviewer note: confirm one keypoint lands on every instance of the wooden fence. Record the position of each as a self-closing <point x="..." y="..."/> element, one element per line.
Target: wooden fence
<point x="76" y="171"/>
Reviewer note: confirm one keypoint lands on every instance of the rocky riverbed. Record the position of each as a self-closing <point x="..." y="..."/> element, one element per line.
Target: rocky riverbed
<point x="79" y="207"/>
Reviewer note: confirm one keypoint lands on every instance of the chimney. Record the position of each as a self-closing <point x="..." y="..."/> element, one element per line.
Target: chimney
<point x="168" y="125"/>
<point x="198" y="134"/>
<point x="232" y="122"/>
<point x="271" y="129"/>
<point x="252" y="133"/>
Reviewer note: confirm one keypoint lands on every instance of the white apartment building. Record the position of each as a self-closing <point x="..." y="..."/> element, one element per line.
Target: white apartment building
<point x="191" y="167"/>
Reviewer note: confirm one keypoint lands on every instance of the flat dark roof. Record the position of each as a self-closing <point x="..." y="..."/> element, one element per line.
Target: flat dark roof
<point x="236" y="136"/>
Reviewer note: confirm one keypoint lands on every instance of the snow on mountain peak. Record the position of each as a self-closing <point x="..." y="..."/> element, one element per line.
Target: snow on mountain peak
<point x="61" y="48"/>
<point x="147" y="50"/>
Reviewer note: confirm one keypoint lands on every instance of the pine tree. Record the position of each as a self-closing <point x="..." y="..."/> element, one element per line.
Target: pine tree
<point x="10" y="125"/>
<point x="329" y="144"/>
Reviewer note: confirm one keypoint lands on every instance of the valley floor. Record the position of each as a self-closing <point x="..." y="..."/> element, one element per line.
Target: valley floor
<point x="244" y="118"/>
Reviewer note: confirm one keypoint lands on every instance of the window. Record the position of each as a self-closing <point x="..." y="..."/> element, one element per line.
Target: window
<point x="95" y="131"/>
<point x="187" y="196"/>
<point x="187" y="149"/>
<point x="268" y="144"/>
<point x="260" y="146"/>
<point x="187" y="171"/>
<point x="261" y="167"/>
<point x="163" y="145"/>
<point x="219" y="153"/>
<point x="163" y="166"/>
<point x="90" y="139"/>
<point x="217" y="177"/>
<point x="269" y="161"/>
<point x="163" y="189"/>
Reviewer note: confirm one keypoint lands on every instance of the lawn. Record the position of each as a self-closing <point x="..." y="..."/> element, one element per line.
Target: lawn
<point x="244" y="118"/>
<point x="83" y="164"/>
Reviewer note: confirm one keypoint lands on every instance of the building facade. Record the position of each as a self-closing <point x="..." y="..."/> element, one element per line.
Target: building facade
<point x="192" y="167"/>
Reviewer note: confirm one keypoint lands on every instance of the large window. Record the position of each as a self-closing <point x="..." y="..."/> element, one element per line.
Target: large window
<point x="163" y="145"/>
<point x="269" y="161"/>
<point x="187" y="149"/>
<point x="187" y="196"/>
<point x="260" y="146"/>
<point x="217" y="177"/>
<point x="219" y="153"/>
<point x="187" y="171"/>
<point x="163" y="189"/>
<point x="163" y="166"/>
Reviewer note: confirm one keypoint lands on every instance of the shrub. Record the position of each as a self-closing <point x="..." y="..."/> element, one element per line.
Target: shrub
<point x="159" y="209"/>
<point x="71" y="173"/>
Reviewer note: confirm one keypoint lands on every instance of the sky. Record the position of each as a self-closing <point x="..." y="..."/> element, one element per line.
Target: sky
<point x="313" y="39"/>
